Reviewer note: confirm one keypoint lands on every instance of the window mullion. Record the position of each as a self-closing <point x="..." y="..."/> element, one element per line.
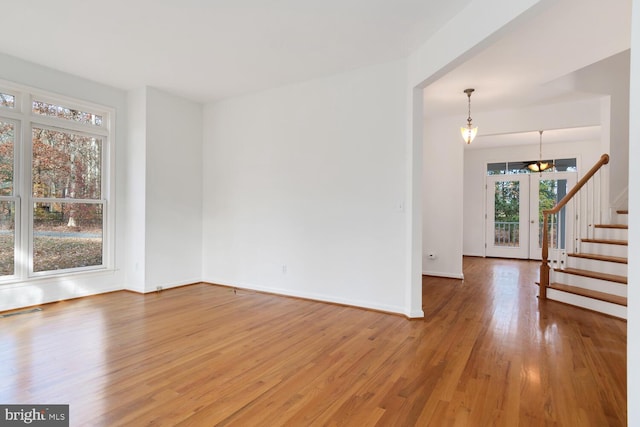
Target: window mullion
<point x="23" y="184"/>
<point x="59" y="124"/>
<point x="66" y="200"/>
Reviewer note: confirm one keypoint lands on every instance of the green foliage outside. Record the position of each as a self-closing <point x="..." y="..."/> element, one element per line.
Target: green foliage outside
<point x="507" y="201"/>
<point x="547" y="196"/>
<point x="507" y="196"/>
<point x="507" y="208"/>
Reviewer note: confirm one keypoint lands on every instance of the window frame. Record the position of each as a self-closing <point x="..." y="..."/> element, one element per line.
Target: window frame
<point x="14" y="197"/>
<point x="26" y="120"/>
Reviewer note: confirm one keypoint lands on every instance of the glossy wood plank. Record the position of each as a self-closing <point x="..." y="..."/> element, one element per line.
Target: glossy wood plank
<point x="487" y="353"/>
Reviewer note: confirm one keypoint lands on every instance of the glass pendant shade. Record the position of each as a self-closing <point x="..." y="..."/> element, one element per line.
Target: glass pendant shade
<point x="468" y="133"/>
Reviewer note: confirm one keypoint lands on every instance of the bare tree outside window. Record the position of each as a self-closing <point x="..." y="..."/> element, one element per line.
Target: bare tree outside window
<point x="7" y="207"/>
<point x="61" y="112"/>
<point x="7" y="100"/>
<point x="67" y="217"/>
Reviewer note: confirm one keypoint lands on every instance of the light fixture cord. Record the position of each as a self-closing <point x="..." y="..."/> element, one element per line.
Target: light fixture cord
<point x="469" y="116"/>
<point x="540" y="157"/>
<point x="540" y="146"/>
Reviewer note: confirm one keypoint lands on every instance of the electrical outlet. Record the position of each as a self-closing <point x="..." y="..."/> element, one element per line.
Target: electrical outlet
<point x="158" y="288"/>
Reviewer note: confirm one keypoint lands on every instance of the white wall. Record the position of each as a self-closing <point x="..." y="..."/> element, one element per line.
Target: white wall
<point x="574" y="114"/>
<point x="265" y="125"/>
<point x="135" y="200"/>
<point x="173" y="206"/>
<point x="164" y="198"/>
<point x="611" y="77"/>
<point x="442" y="190"/>
<point x="40" y="291"/>
<point x="304" y="189"/>
<point x="633" y="308"/>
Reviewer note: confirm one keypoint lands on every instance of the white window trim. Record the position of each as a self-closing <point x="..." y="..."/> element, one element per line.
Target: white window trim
<point x="25" y="119"/>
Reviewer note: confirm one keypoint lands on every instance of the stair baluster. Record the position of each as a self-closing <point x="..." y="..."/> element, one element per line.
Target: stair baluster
<point x="544" y="266"/>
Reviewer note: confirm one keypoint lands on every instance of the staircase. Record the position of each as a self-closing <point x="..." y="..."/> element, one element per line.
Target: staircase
<point x="596" y="277"/>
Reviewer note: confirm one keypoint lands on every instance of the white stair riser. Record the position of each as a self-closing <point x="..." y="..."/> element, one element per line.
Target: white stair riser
<point x="590" y="283"/>
<point x="603" y="249"/>
<point x="611" y="233"/>
<point x="597" y="265"/>
<point x="589" y="303"/>
<point x="621" y="219"/>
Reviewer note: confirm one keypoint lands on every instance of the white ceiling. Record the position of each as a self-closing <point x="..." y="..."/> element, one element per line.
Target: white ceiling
<point x="207" y="50"/>
<point x="211" y="49"/>
<point x="549" y="136"/>
<point x="527" y="64"/>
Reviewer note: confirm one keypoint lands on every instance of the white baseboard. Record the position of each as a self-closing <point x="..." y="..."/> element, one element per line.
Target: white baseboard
<point x="169" y="285"/>
<point x="441" y="274"/>
<point x="415" y="314"/>
<point x="478" y="255"/>
<point x="320" y="298"/>
<point x="57" y="288"/>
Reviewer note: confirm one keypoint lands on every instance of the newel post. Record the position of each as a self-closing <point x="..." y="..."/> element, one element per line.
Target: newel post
<point x="544" y="266"/>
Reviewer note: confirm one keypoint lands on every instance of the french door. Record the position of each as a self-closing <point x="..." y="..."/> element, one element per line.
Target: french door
<point x="514" y="214"/>
<point x="547" y="190"/>
<point x="507" y="216"/>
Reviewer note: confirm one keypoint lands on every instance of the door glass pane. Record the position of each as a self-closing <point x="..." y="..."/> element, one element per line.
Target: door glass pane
<point x="496" y="168"/>
<point x="518" y="167"/>
<point x="66" y="235"/>
<point x="7" y="237"/>
<point x="550" y="193"/>
<point x="507" y="214"/>
<point x="566" y="165"/>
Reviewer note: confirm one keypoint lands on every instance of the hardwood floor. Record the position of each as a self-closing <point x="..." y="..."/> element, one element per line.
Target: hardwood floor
<point x="487" y="353"/>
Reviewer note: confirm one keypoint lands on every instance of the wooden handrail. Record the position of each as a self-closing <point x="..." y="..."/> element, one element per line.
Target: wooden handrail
<point x="544" y="266"/>
<point x="604" y="159"/>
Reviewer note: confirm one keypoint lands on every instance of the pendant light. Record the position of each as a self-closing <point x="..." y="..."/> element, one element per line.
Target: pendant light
<point x="468" y="132"/>
<point x="539" y="166"/>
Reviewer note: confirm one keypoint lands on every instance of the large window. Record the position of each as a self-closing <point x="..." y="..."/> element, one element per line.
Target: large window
<point x="54" y="185"/>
